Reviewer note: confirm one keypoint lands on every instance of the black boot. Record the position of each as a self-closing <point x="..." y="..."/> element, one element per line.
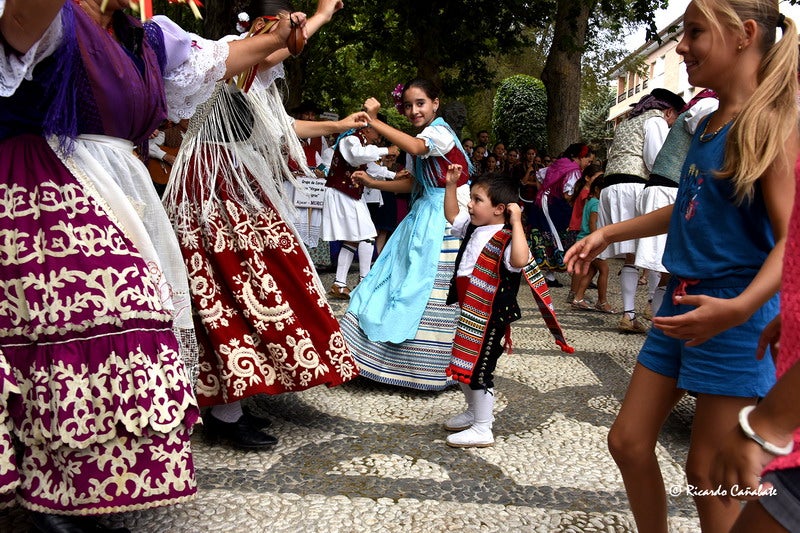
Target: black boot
<point x="59" y="523"/>
<point x="239" y="434"/>
<point x="255" y="421"/>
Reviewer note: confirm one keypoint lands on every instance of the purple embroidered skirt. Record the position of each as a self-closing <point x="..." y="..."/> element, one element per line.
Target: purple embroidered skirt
<point x="93" y="391"/>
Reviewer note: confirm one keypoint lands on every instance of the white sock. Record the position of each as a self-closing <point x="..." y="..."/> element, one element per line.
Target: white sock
<point x="653" y="278"/>
<point x="658" y="297"/>
<point x="629" y="280"/>
<point x="346" y="255"/>
<point x="228" y="412"/>
<point x="365" y="251"/>
<point x="549" y="276"/>
<point x="484" y="407"/>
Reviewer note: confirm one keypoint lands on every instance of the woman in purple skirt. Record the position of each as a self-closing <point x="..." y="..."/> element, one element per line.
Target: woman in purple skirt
<point x="96" y="405"/>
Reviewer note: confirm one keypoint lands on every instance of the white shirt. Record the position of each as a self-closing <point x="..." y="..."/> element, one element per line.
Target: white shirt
<point x="655" y="132"/>
<point x="477" y="242"/>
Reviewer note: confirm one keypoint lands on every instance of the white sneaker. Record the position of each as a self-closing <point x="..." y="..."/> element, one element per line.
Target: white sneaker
<point x="474" y="437"/>
<point x="460" y="422"/>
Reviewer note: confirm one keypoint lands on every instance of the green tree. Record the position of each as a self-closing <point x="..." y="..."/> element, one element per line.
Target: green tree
<point x="571" y="34"/>
<point x="519" y="113"/>
<point x="594" y="128"/>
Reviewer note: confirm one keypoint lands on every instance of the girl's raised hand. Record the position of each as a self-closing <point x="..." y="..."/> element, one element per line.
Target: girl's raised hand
<point x="453" y="173"/>
<point x="710" y="317"/>
<point x="372" y="106"/>
<point x="582" y="253"/>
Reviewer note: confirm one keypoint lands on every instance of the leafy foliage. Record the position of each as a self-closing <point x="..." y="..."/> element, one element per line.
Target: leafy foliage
<point x="594" y="128"/>
<point x="520" y="112"/>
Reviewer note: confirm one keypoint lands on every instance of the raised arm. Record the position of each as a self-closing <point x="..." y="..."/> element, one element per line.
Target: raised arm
<point x="404" y="141"/>
<point x="323" y="15"/>
<point x="520" y="253"/>
<point x="318" y="128"/>
<point x="24" y="21"/>
<point x="244" y="53"/>
<point x="450" y="196"/>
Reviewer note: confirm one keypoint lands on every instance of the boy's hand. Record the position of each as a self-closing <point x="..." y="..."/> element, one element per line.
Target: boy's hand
<point x="514" y="213"/>
<point x="453" y="174"/>
<point x="372" y="106"/>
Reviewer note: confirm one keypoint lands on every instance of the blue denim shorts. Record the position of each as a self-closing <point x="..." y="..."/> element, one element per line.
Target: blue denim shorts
<point x="724" y="365"/>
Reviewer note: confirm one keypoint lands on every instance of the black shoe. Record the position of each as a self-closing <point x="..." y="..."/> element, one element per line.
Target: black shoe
<point x="554" y="283"/>
<point x="255" y="421"/>
<point x="59" y="523"/>
<point x="239" y="434"/>
<point x="592" y="285"/>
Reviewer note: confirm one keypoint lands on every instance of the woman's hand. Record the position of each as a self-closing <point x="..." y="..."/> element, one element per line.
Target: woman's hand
<point x="710" y="317"/>
<point x="327" y="8"/>
<point x="356" y="120"/>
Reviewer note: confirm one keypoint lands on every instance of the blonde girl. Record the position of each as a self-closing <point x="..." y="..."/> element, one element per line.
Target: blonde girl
<point x="726" y="236"/>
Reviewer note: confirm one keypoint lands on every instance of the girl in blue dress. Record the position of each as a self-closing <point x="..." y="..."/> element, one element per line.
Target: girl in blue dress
<point x="398" y="324"/>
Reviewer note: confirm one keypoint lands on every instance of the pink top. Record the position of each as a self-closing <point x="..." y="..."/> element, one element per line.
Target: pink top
<point x="789" y="352"/>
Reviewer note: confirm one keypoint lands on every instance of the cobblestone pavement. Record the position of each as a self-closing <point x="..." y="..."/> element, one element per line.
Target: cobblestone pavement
<point x="371" y="458"/>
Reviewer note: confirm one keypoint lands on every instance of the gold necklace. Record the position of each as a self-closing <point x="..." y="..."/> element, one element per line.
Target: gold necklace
<point x="706" y="137"/>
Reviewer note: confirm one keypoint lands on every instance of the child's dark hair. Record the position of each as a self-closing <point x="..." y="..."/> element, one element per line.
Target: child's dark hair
<point x="589" y="171"/>
<point x="427" y="86"/>
<point x="597" y="186"/>
<point x="500" y="189"/>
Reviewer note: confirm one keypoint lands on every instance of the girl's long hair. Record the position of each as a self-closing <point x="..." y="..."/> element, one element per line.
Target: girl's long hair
<point x="758" y="135"/>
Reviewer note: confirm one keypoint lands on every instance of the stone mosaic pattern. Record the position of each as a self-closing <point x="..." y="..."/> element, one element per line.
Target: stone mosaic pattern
<point x="369" y="457"/>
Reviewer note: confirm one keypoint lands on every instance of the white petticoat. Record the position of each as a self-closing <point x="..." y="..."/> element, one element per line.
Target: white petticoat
<point x="650" y="250"/>
<point x="617" y="204"/>
<point x="345" y="218"/>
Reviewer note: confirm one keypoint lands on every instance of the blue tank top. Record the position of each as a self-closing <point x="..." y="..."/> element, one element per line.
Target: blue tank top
<point x="710" y="236"/>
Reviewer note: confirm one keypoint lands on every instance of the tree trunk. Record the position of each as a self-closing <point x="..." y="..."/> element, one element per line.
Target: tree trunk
<point x="562" y="74"/>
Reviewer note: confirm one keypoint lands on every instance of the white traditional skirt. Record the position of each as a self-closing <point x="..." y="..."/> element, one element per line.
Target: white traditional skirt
<point x="618" y="203"/>
<point x="650" y="250"/>
<point x="346" y="219"/>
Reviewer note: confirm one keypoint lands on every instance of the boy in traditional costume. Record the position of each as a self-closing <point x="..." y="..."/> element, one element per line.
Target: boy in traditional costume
<point x="493" y="256"/>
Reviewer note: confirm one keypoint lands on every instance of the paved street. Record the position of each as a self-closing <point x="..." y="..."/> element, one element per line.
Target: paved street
<point x="369" y="458"/>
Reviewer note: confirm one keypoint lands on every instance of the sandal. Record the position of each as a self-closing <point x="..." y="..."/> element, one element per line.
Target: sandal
<point x="605" y="307"/>
<point x="581" y="304"/>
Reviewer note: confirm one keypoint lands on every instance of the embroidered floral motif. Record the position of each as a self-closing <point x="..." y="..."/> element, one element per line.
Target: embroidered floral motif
<point x="266" y="328"/>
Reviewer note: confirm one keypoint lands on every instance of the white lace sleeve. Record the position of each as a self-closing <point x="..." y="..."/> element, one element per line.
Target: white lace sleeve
<point x="194" y="65"/>
<point x="14" y="67"/>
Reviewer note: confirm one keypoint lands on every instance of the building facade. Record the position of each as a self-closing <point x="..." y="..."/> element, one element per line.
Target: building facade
<point x="653" y="65"/>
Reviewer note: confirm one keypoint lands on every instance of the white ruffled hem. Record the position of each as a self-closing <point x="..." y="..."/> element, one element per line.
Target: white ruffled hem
<point x="14" y="68"/>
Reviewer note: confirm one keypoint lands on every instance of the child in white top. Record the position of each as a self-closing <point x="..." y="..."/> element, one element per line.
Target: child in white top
<point x="491" y="208"/>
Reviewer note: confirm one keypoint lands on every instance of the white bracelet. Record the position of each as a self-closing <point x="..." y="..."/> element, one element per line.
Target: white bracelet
<point x="752" y="435"/>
